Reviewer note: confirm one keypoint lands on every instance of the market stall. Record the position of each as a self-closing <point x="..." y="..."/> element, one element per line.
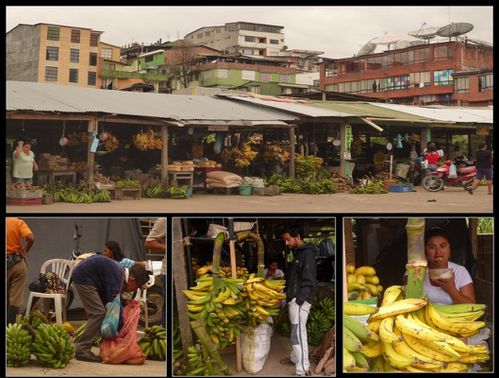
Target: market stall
<point x="406" y="307"/>
<point x="225" y="306"/>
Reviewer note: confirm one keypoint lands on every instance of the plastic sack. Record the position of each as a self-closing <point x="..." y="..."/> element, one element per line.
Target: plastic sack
<point x="124" y="347"/>
<point x="109" y="327"/>
<point x="452" y="171"/>
<point x="255" y="347"/>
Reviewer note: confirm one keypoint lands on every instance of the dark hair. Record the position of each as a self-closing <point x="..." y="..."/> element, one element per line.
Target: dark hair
<point x="293" y="231"/>
<point x="435" y="231"/>
<point x="115" y="249"/>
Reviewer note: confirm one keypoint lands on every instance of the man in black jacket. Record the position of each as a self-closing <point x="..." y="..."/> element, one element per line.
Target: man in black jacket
<point x="300" y="294"/>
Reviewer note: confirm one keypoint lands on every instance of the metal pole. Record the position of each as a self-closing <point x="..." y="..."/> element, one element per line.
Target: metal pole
<point x="92" y="126"/>
<point x="292" y="141"/>
<point x="164" y="156"/>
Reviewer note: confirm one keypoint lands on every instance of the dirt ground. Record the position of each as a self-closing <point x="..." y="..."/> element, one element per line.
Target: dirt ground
<point x="451" y="200"/>
<point x="89" y="369"/>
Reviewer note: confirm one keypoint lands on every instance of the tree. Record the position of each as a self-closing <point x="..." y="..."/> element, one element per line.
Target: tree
<point x="182" y="62"/>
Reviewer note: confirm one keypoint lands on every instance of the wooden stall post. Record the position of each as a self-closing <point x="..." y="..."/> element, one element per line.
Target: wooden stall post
<point x="92" y="127"/>
<point x="292" y="137"/>
<point x="164" y="156"/>
<point x="347" y="250"/>
<point x="233" y="270"/>
<point x="180" y="280"/>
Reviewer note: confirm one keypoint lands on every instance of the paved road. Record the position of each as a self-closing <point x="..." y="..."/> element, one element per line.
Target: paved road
<point x="451" y="200"/>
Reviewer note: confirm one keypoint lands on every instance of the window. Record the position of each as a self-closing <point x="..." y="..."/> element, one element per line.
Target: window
<point x="486" y="82"/>
<point x="397" y="82"/>
<point x="283" y="78"/>
<point x="316" y="83"/>
<point x="94" y="39"/>
<point x="73" y="75"/>
<point x="332" y="88"/>
<point x="52" y="53"/>
<point x="149" y="58"/>
<point x="266" y="76"/>
<point x="249" y="38"/>
<point x="422" y="55"/>
<point x="375" y="63"/>
<point x="74" y="55"/>
<point x="443" y="77"/>
<point x="462" y="85"/>
<point x="442" y="52"/>
<point x="53" y="33"/>
<point x="92" y="60"/>
<point x="274" y="41"/>
<point x="92" y="78"/>
<point x="248" y="75"/>
<point x="75" y="35"/>
<point x="109" y="66"/>
<point x="106" y="53"/>
<point x="262" y="40"/>
<point x="222" y="74"/>
<point x="419" y="79"/>
<point x="50" y="73"/>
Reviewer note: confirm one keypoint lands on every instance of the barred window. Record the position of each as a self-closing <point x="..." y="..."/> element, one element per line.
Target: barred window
<point x="52" y="53"/>
<point x="92" y="59"/>
<point x="462" y="85"/>
<point x="486" y="82"/>
<point x="274" y="41"/>
<point x="107" y="53"/>
<point x="94" y="39"/>
<point x="74" y="56"/>
<point x="265" y="76"/>
<point x="92" y="78"/>
<point x="53" y="33"/>
<point x="75" y="35"/>
<point x="50" y="73"/>
<point x="249" y="38"/>
<point x="283" y="78"/>
<point x="73" y="75"/>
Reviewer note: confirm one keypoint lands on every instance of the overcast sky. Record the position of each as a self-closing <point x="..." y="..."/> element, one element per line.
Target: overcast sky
<point x="338" y="31"/>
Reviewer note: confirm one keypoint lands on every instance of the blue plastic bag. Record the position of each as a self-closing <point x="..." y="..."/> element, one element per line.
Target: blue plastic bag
<point x="109" y="326"/>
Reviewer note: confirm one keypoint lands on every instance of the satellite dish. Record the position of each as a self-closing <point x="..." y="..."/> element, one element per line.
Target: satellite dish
<point x="425" y="32"/>
<point x="386" y="39"/>
<point x="368" y="48"/>
<point x="402" y="44"/>
<point x="454" y="29"/>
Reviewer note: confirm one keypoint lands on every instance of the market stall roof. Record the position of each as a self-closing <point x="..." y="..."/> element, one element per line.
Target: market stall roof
<point x="457" y="114"/>
<point x="41" y="97"/>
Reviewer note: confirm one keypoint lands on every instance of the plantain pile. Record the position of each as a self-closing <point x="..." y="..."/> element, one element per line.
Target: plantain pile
<point x="18" y="345"/>
<point x="200" y="362"/>
<point x="52" y="346"/>
<point x="149" y="140"/>
<point x="276" y="153"/>
<point x="412" y="335"/>
<point x="111" y="143"/>
<point x="177" y="192"/>
<point x="242" y="157"/>
<point x="153" y="344"/>
<point x="370" y="186"/>
<point x="362" y="282"/>
<point x="74" y="195"/>
<point x="224" y="272"/>
<point x="320" y="320"/>
<point x="155" y="192"/>
<point x="127" y="183"/>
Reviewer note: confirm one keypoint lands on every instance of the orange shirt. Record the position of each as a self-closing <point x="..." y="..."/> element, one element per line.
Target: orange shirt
<point x="17" y="229"/>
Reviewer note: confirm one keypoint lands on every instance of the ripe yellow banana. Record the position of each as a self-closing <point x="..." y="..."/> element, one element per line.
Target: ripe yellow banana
<point x="372" y="280"/>
<point x="365" y="271"/>
<point x="350" y="308"/>
<point x="399" y="307"/>
<point x="396" y="360"/>
<point x="421" y="361"/>
<point x="386" y="331"/>
<point x="373" y="325"/>
<point x="426" y="349"/>
<point x="350" y="268"/>
<point x="391" y="294"/>
<point x="360" y="279"/>
<point x="453" y="326"/>
<point x="348" y="360"/>
<point x="372" y="350"/>
<point x="372" y="288"/>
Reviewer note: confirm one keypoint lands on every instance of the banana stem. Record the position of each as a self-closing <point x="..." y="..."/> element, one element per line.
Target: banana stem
<point x="416" y="272"/>
<point x="416" y="259"/>
<point x="217" y="249"/>
<point x="244" y="235"/>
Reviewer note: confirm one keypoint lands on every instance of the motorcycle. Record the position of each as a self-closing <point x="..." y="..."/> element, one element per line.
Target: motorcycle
<point x="436" y="180"/>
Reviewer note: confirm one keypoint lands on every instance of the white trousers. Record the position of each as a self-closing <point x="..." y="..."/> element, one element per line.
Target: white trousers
<point x="298" y="316"/>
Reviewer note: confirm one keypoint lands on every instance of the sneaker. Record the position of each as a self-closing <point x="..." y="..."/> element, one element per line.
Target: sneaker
<point x="87" y="356"/>
<point x="469" y="190"/>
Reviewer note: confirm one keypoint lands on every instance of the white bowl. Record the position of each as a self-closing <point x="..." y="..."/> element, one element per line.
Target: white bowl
<point x="440" y="274"/>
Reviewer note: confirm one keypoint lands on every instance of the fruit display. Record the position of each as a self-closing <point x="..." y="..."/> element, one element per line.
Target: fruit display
<point x="224" y="272"/>
<point x="362" y="282"/>
<point x="320" y="320"/>
<point x="18" y="345"/>
<point x="153" y="344"/>
<point x="342" y="184"/>
<point x="177" y="192"/>
<point x="276" y="153"/>
<point x="149" y="140"/>
<point x="20" y="186"/>
<point x="52" y="346"/>
<point x="242" y="157"/>
<point x="74" y="195"/>
<point x="127" y="183"/>
<point x="412" y="335"/>
<point x="200" y="362"/>
<point x="111" y="143"/>
<point x="370" y="186"/>
<point x="156" y="191"/>
<point x="100" y="178"/>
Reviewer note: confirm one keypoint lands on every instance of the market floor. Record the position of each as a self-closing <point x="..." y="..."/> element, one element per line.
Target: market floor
<point x="451" y="200"/>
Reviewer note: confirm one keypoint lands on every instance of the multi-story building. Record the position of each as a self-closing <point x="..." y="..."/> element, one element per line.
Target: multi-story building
<point x="447" y="73"/>
<point x="59" y="54"/>
<point x="244" y="38"/>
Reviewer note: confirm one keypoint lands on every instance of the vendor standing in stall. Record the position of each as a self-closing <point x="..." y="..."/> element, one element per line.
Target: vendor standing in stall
<point x="24" y="163"/>
<point x="301" y="287"/>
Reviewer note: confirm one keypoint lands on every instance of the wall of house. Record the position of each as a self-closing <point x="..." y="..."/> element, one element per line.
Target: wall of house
<point x="22" y="46"/>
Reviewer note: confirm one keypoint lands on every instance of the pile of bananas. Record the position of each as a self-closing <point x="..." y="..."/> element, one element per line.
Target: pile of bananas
<point x="111" y="143"/>
<point x="74" y="195"/>
<point x="153" y="344"/>
<point x="76" y="139"/>
<point x="224" y="272"/>
<point x="363" y="283"/>
<point x="320" y="320"/>
<point x="127" y="183"/>
<point x="155" y="192"/>
<point x="52" y="346"/>
<point x="150" y="140"/>
<point x="200" y="362"/>
<point x="370" y="186"/>
<point x="276" y="153"/>
<point x="241" y="157"/>
<point x="412" y="335"/>
<point x="177" y="192"/>
<point x="218" y="302"/>
<point x="33" y="321"/>
<point x="18" y="345"/>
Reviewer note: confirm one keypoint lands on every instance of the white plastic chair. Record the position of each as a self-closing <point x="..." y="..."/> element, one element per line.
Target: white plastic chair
<point x="63" y="268"/>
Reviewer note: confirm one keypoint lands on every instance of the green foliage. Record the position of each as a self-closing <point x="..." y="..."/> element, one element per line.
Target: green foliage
<point x="485" y="225"/>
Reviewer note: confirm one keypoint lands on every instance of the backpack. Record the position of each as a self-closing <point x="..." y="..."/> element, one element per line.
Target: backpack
<point x="51" y="283"/>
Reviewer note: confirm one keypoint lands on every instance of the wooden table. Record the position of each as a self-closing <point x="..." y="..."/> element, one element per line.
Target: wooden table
<point x="175" y="176"/>
<point x="43" y="175"/>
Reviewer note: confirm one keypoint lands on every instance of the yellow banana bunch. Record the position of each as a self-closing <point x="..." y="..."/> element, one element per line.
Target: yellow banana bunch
<point x="362" y="282"/>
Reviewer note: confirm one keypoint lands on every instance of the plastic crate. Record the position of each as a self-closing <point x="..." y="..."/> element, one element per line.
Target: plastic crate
<point x="245" y="190"/>
<point x="24" y="201"/>
<point x="29" y="193"/>
<point x="401" y="188"/>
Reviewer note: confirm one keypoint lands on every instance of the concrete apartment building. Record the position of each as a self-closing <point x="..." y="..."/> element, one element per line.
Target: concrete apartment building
<point x="446" y="73"/>
<point x="240" y="37"/>
<point x="59" y="54"/>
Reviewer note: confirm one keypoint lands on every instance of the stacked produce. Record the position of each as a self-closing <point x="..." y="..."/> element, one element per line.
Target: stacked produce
<point x="75" y="195"/>
<point x="370" y="186"/>
<point x="363" y="283"/>
<point x="412" y="335"/>
<point x="153" y="344"/>
<point x="320" y="320"/>
<point x="224" y="272"/>
<point x="111" y="143"/>
<point x="185" y="166"/>
<point x="18" y="345"/>
<point x="101" y="179"/>
<point x="276" y="153"/>
<point x="126" y="183"/>
<point x="177" y="192"/>
<point x="52" y="346"/>
<point x="150" y="140"/>
<point x="154" y="191"/>
<point x="21" y="186"/>
<point x="201" y="362"/>
<point x="241" y="157"/>
<point x="342" y="184"/>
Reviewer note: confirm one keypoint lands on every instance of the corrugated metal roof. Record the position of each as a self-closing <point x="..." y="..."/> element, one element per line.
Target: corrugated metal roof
<point x="29" y="96"/>
<point x="456" y="114"/>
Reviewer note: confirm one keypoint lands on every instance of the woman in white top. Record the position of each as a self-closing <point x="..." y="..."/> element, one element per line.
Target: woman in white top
<point x="459" y="288"/>
<point x="24" y="163"/>
<point x="273" y="272"/>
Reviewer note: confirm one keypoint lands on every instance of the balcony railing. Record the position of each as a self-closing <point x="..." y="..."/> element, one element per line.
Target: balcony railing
<point x="133" y="75"/>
